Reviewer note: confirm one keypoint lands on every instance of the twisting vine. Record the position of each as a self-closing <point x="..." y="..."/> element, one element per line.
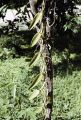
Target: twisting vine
<point x="44" y="19"/>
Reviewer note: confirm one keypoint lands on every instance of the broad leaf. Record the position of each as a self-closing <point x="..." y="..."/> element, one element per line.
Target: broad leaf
<point x="35" y="59"/>
<point x="36" y="38"/>
<point x="36" y="19"/>
<point x="34" y="94"/>
<point x="37" y="80"/>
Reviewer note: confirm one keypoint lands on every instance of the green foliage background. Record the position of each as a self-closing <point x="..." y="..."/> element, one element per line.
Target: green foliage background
<point x="16" y="76"/>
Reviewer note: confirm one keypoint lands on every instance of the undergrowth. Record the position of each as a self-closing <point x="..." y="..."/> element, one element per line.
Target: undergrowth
<point x="15" y="79"/>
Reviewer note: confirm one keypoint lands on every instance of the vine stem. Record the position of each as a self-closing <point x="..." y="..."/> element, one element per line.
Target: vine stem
<point x="48" y="16"/>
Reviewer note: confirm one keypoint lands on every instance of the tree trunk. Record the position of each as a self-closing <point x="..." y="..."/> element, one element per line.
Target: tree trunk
<point x="48" y="23"/>
<point x="48" y="81"/>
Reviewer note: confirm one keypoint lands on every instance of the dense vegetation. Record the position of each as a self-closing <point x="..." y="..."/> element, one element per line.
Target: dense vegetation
<point x="17" y="100"/>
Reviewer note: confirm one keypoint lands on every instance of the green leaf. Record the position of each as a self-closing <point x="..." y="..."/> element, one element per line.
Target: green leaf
<point x="39" y="109"/>
<point x="36" y="19"/>
<point x="34" y="94"/>
<point x="35" y="59"/>
<point x="75" y="30"/>
<point x="14" y="91"/>
<point x="25" y="46"/>
<point x="36" y="38"/>
<point x="3" y="7"/>
<point x="37" y="80"/>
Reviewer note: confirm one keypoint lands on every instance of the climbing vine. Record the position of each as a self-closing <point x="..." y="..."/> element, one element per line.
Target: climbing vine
<point x="44" y="19"/>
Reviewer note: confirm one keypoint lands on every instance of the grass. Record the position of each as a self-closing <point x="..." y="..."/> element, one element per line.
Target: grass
<point x="15" y="78"/>
<point x="67" y="97"/>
